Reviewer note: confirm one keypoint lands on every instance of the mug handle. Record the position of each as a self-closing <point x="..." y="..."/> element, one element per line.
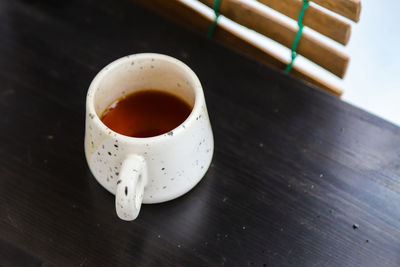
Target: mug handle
<point x="130" y="186"/>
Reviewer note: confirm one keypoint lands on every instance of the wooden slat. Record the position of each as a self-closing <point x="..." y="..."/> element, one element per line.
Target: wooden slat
<point x="320" y="53"/>
<point x="185" y="15"/>
<point x="314" y="18"/>
<point x="350" y="9"/>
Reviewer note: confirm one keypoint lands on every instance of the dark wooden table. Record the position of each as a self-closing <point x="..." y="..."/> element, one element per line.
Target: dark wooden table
<point x="298" y="177"/>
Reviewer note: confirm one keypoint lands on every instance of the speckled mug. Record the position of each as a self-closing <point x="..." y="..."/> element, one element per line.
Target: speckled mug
<point x="153" y="169"/>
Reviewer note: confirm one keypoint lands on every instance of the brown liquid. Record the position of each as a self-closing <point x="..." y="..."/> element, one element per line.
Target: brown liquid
<point x="146" y="113"/>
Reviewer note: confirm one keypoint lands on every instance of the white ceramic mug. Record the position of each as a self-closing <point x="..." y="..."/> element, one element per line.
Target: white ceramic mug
<point x="153" y="169"/>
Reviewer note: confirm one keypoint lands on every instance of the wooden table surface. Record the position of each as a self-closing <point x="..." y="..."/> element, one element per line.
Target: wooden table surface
<point x="298" y="177"/>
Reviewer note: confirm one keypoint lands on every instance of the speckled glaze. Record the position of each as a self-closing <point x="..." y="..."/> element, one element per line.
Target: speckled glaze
<point x="153" y="169"/>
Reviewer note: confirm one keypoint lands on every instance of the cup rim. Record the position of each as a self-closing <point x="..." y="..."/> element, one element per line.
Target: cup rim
<point x="198" y="93"/>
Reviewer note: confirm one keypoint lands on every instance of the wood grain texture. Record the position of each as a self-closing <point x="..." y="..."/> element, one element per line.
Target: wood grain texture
<point x="310" y="47"/>
<point x="293" y="169"/>
<point x="316" y="19"/>
<point x="187" y="16"/>
<point x="350" y="9"/>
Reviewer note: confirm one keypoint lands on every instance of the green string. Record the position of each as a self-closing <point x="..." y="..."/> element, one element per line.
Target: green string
<point x="213" y="25"/>
<point x="298" y="35"/>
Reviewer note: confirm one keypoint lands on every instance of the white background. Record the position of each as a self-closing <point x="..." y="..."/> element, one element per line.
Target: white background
<point x="373" y="78"/>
